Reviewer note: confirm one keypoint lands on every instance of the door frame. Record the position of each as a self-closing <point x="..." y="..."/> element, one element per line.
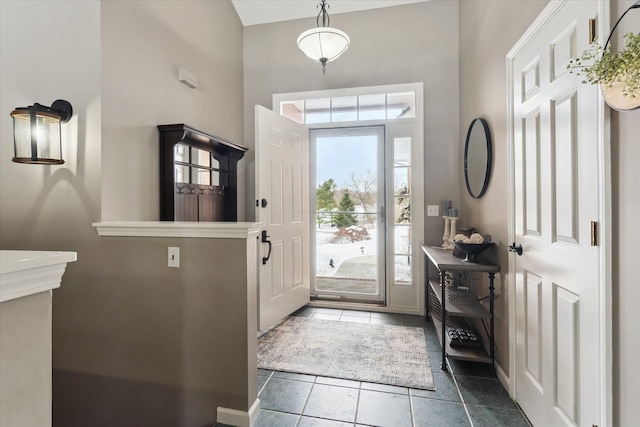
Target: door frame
<point x="604" y="211"/>
<point x="408" y="299"/>
<point x="381" y="177"/>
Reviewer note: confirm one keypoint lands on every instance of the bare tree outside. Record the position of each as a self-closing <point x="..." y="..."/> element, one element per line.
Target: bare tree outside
<point x="363" y="188"/>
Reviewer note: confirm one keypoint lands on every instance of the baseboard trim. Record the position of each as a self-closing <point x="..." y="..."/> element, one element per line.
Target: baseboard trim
<point x="234" y="417"/>
<point x="504" y="380"/>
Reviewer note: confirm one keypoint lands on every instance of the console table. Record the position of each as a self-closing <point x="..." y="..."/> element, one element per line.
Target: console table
<point x="451" y="303"/>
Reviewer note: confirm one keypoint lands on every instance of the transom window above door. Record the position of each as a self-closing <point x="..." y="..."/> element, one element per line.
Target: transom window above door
<point x="352" y="108"/>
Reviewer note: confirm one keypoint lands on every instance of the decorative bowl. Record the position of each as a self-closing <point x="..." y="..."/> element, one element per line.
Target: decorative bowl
<point x="472" y="249"/>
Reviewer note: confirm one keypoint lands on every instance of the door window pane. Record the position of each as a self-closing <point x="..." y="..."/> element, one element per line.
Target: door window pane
<point x="402" y="242"/>
<point x="347" y="233"/>
<point x="402" y="269"/>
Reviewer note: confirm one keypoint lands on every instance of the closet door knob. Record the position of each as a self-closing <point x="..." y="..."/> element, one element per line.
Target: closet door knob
<point x="516" y="248"/>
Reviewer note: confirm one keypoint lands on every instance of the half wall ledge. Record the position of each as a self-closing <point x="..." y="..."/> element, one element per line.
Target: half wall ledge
<point x="219" y="230"/>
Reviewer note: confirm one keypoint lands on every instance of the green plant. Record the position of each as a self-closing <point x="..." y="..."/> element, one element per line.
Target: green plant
<point x="609" y="68"/>
<point x="325" y="201"/>
<point x="345" y="218"/>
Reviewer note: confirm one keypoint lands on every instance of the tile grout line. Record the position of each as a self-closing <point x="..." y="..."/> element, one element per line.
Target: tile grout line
<point x="464" y="404"/>
<point x="306" y="401"/>
<point x="413" y="421"/>
<point x="265" y="383"/>
<point x="355" y="418"/>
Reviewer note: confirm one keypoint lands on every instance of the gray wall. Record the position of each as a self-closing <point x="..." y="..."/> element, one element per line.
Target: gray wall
<point x="143" y="45"/>
<point x="128" y="346"/>
<point x="625" y="154"/>
<point x="400" y="44"/>
<point x="484" y="42"/>
<point x="138" y="343"/>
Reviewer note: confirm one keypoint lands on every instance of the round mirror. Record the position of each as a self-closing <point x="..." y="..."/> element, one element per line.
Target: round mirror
<point x="477" y="157"/>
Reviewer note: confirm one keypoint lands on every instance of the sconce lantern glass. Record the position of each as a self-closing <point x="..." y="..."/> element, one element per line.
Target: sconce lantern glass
<point x="36" y="132"/>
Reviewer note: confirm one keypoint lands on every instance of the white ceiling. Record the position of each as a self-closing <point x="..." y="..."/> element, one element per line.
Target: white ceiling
<point x="253" y="12"/>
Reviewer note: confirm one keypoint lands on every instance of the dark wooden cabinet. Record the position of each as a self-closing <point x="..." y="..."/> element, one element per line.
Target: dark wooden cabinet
<point x="198" y="175"/>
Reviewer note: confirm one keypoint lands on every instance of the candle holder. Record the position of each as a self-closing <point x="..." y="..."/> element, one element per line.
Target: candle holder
<point x="445" y="236"/>
<point x="453" y="220"/>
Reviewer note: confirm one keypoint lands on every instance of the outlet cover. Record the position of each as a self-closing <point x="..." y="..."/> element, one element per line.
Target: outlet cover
<point x="433" y="210"/>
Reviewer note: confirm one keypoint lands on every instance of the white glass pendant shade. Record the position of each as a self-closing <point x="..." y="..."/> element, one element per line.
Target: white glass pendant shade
<point x="323" y="44"/>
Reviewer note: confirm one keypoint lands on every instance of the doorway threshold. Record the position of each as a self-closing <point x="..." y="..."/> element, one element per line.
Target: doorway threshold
<point x="347" y="304"/>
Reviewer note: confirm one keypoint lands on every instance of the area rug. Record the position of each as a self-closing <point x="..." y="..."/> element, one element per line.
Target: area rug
<point x="394" y="355"/>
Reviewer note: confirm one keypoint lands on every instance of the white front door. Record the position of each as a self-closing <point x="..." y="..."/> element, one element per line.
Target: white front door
<point x="558" y="318"/>
<point x="282" y="193"/>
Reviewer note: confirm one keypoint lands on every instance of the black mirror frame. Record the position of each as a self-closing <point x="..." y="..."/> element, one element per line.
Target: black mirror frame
<point x="487" y="174"/>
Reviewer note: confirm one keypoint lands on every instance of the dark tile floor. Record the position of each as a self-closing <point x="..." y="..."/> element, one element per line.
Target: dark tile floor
<point x="469" y="396"/>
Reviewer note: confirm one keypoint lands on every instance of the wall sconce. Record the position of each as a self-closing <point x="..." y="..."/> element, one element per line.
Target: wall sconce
<point x="36" y="132"/>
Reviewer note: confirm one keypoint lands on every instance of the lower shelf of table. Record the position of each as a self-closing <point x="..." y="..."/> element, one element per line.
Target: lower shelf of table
<point x="473" y="354"/>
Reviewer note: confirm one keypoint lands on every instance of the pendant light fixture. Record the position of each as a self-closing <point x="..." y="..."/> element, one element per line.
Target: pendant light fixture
<point x="323" y="43"/>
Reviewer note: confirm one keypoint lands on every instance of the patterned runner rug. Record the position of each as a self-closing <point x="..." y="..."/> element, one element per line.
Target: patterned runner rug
<point x="394" y="355"/>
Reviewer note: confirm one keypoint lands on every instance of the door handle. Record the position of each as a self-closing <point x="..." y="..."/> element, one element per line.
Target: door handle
<point x="516" y="248"/>
<point x="265" y="239"/>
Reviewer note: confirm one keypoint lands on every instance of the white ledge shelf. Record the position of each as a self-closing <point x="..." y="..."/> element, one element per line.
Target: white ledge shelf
<point x="207" y="230"/>
<point x="24" y="273"/>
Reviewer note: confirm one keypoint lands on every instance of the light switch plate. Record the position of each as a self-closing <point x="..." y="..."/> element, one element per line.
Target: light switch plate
<point x="433" y="210"/>
<point x="174" y="257"/>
